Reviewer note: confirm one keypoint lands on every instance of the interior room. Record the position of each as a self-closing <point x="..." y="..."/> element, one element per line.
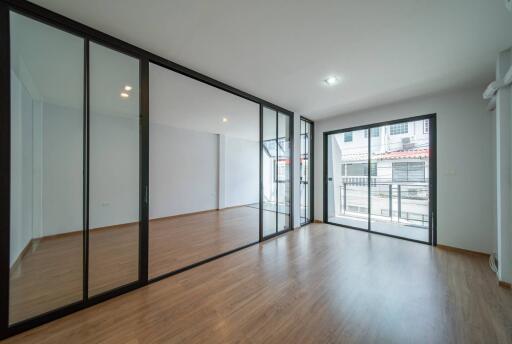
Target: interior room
<point x="263" y="172"/>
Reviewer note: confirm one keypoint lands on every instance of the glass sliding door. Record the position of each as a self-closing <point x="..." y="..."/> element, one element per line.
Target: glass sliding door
<point x="306" y="144"/>
<point x="276" y="172"/>
<point x="400" y="194"/>
<point x="47" y="171"/>
<point x="113" y="169"/>
<point x="347" y="178"/>
<point x="203" y="171"/>
<point x="391" y="192"/>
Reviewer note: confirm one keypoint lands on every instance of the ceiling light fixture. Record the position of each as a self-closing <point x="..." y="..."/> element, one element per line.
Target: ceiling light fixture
<point x="124" y="95"/>
<point x="331" y="81"/>
<point x="224" y="119"/>
<point x="128" y="88"/>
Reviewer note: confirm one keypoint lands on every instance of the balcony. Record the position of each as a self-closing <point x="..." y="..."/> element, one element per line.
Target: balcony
<point x="397" y="207"/>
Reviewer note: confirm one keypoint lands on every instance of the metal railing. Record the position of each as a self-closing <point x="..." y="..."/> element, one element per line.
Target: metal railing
<point x="397" y="201"/>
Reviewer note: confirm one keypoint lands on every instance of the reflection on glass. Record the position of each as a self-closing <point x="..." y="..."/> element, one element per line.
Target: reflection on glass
<point x="46" y="168"/>
<point x="113" y="169"/>
<point x="283" y="172"/>
<point x="203" y="171"/>
<point x="400" y="186"/>
<point x="347" y="183"/>
<point x="270" y="170"/>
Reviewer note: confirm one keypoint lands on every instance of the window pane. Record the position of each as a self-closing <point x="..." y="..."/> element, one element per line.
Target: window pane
<point x="46" y="168"/>
<point x="347" y="179"/>
<point x="113" y="169"/>
<point x="399" y="171"/>
<point x="399" y="191"/>
<point x="269" y="171"/>
<point x="283" y="180"/>
<point x="397" y="129"/>
<point x="416" y="171"/>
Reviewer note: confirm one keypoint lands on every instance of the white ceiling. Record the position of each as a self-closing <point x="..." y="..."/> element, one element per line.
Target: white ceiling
<point x="383" y="50"/>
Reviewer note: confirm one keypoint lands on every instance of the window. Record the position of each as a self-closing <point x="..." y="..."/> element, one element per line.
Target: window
<point x="426" y="127"/>
<point x="375" y="132"/>
<point x="409" y="171"/>
<point x="358" y="170"/>
<point x="282" y="170"/>
<point x="347" y="137"/>
<point x="399" y="128"/>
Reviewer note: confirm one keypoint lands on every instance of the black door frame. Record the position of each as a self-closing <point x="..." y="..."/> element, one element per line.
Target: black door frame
<point x="311" y="161"/>
<point x="432" y="175"/>
<point x="290" y="167"/>
<point x="145" y="57"/>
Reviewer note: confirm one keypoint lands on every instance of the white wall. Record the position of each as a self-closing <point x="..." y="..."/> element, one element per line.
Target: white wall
<point x="114" y="170"/>
<point x="503" y="161"/>
<point x="191" y="171"/>
<point x="62" y="170"/>
<point x="21" y="168"/>
<point x="183" y="171"/>
<point x="464" y="162"/>
<point x="241" y="186"/>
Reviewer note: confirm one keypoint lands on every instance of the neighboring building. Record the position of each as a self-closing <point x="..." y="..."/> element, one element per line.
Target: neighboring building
<point x="399" y="172"/>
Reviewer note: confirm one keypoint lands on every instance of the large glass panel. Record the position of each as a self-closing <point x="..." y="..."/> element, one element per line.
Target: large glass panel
<point x="283" y="172"/>
<point x="113" y="169"/>
<point x="269" y="177"/>
<point x="347" y="178"/>
<point x="305" y="172"/>
<point x="46" y="215"/>
<point x="203" y="171"/>
<point x="400" y="180"/>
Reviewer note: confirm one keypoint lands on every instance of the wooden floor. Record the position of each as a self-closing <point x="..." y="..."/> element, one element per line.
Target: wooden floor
<point x="318" y="284"/>
<point x="194" y="238"/>
<point x="49" y="275"/>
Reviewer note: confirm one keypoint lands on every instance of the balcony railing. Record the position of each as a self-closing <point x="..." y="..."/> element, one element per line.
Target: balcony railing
<point x="402" y="202"/>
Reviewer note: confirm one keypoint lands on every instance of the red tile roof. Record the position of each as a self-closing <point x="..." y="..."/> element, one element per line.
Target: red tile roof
<point x="420" y="153"/>
<point x="403" y="154"/>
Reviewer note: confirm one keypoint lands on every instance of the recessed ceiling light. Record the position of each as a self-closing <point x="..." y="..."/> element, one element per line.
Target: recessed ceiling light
<point x="332" y="80"/>
<point x="124" y="95"/>
<point x="128" y="88"/>
<point x="224" y="119"/>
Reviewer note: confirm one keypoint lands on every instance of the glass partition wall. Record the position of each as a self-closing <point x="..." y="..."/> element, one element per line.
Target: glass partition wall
<point x="381" y="178"/>
<point x="47" y="226"/>
<point x="204" y="147"/>
<point x="81" y="221"/>
<point x="114" y="125"/>
<point x="74" y="169"/>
